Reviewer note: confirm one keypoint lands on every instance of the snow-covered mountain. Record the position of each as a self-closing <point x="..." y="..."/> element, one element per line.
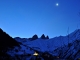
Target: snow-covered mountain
<point x="50" y="44"/>
<point x="70" y="51"/>
<point x="62" y="47"/>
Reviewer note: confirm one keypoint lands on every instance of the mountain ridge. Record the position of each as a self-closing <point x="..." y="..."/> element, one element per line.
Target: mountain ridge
<point x="47" y="49"/>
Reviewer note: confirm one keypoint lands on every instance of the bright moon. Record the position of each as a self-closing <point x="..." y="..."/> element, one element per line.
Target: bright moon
<point x="57" y="4"/>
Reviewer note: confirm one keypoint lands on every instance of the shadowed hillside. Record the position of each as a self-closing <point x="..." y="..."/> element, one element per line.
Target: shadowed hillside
<point x="6" y="42"/>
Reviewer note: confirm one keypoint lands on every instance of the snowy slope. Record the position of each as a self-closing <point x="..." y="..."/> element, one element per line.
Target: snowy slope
<point x="57" y="46"/>
<point x="71" y="51"/>
<point x="50" y="44"/>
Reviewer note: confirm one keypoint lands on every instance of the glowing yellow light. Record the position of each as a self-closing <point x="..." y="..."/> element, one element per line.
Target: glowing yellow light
<point x="35" y="54"/>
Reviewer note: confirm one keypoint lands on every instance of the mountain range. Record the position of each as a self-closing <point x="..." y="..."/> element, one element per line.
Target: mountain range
<point x="43" y="48"/>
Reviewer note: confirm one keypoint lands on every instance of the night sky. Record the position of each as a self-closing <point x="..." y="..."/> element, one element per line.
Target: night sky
<point x="24" y="18"/>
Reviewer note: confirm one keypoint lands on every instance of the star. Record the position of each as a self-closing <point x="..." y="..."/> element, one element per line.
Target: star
<point x="57" y="4"/>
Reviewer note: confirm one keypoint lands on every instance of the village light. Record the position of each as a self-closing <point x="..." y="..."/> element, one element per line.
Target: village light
<point x="35" y="54"/>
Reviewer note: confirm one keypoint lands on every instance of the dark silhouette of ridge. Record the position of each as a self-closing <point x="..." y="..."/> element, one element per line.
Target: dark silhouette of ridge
<point x="6" y="41"/>
<point x="34" y="37"/>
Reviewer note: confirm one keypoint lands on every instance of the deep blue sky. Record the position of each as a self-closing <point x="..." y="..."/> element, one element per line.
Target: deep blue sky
<point x="24" y="18"/>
